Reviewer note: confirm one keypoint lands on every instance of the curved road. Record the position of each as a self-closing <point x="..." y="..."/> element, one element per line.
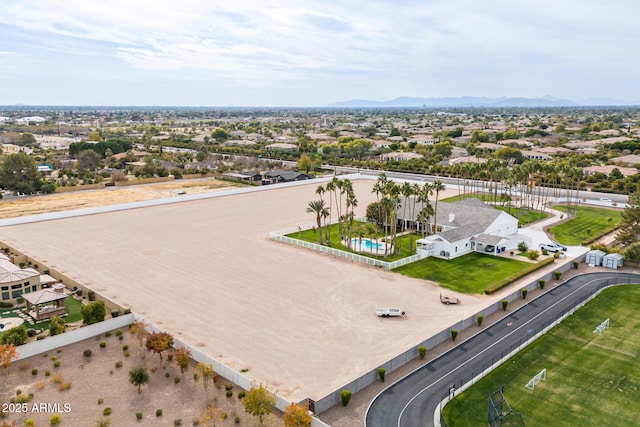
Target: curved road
<point x="413" y="400"/>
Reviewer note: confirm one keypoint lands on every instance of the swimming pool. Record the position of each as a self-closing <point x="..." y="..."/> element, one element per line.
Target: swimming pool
<point x="366" y="245"/>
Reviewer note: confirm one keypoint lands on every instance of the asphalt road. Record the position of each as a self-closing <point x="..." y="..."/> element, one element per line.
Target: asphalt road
<point x="413" y="400"/>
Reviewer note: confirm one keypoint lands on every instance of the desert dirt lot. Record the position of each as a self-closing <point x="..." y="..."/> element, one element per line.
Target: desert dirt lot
<point x="109" y="196"/>
<point x="205" y="270"/>
<point x="97" y="377"/>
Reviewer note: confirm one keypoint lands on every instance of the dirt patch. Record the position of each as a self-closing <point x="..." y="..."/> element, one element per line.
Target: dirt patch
<point x="33" y="205"/>
<point x="97" y="383"/>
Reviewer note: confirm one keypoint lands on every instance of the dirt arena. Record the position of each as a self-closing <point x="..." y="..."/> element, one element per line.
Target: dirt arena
<point x="302" y="322"/>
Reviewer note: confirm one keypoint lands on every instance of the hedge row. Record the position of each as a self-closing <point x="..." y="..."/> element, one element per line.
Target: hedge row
<point x="508" y="280"/>
<point x="603" y="233"/>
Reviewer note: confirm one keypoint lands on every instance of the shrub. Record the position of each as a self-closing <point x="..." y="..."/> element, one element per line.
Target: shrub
<point x="126" y="354"/>
<point x="195" y="422"/>
<point x="125" y="347"/>
<point x="229" y="393"/>
<point x="524" y="293"/>
<point x="177" y="422"/>
<point x="345" y="395"/>
<point x="167" y="374"/>
<point x="242" y="394"/>
<point x="381" y="373"/>
<point x="228" y="387"/>
<point x="545" y="252"/>
<point x="103" y="344"/>
<point x="47" y="373"/>
<point x="138" y="415"/>
<point x="87" y="353"/>
<point x="115" y="313"/>
<point x="224" y="416"/>
<point x="454" y="334"/>
<point x="422" y="350"/>
<point x="100" y="401"/>
<point x="29" y="422"/>
<point x="107" y="334"/>
<point x="576" y="264"/>
<point x="55" y="420"/>
<point x="541" y="283"/>
<point x="504" y="303"/>
<point x="64" y="386"/>
<point x="522" y="247"/>
<point x="56" y="364"/>
<point x="31" y="332"/>
<point x="34" y="372"/>
<point x="91" y="295"/>
<point x="118" y="333"/>
<point x="479" y="319"/>
<point x="106" y="412"/>
<point x="158" y="412"/>
<point x="533" y="255"/>
<point x="119" y="364"/>
<point x="236" y="419"/>
<point x="557" y="274"/>
<point x="93" y="313"/>
<point x="176" y="379"/>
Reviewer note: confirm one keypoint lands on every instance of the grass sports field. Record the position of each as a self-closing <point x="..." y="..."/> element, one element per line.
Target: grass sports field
<point x="592" y="380"/>
<point x="589" y="222"/>
<point x="471" y="273"/>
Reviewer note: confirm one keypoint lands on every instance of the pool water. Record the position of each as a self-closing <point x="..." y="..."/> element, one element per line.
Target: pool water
<point x="366" y="245"/>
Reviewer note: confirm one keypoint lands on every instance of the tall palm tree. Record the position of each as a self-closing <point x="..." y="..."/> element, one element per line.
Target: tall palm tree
<point x="438" y="186"/>
<point x="318" y="207"/>
<point x="330" y="188"/>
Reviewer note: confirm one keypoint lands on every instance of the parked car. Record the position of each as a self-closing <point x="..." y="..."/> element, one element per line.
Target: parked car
<point x="489" y="248"/>
<point x="553" y="247"/>
<point x="605" y="199"/>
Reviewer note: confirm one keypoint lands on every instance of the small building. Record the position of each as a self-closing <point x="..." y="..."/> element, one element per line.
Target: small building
<point x="594" y="257"/>
<point x="46" y="303"/>
<point x="16" y="281"/>
<point x="614" y="261"/>
<point x="279" y="175"/>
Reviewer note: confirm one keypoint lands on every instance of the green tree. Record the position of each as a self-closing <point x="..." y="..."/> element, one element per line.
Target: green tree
<point x="27" y="140"/>
<point x="317" y="207"/>
<point x="16" y="336"/>
<point x="629" y="231"/>
<point x="93" y="312"/>
<point x="509" y="153"/>
<point x="437" y="187"/>
<point x="305" y="163"/>
<point x="258" y="402"/>
<point x="182" y="357"/>
<point x="88" y="160"/>
<point x="138" y="377"/>
<point x="19" y="173"/>
<point x="57" y="326"/>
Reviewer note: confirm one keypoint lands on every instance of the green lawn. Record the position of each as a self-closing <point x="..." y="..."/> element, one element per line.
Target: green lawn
<point x="73" y="314"/>
<point x="592" y="380"/>
<point x="485" y="197"/>
<point x="589" y="222"/>
<point x="312" y="236"/>
<point x="525" y="216"/>
<point x="471" y="273"/>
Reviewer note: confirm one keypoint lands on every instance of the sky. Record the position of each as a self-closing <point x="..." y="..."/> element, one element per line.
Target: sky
<point x="313" y="53"/>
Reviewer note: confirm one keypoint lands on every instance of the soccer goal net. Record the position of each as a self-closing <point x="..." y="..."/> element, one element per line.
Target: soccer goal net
<point x="541" y="376"/>
<point x="601" y="327"/>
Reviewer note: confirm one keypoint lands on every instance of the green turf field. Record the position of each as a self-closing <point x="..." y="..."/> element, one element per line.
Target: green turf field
<point x="589" y="222"/>
<point x="471" y="273"/>
<point x="592" y="380"/>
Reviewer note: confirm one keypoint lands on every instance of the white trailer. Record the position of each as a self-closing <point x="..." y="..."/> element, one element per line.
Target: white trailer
<point x="389" y="312"/>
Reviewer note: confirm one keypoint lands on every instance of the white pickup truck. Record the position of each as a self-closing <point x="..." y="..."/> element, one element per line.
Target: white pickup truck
<point x="389" y="312"/>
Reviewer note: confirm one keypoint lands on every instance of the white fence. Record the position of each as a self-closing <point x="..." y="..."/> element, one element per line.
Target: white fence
<point x="51" y="343"/>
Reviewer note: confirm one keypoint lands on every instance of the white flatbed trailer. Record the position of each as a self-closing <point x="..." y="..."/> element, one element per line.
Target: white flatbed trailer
<point x="389" y="312"/>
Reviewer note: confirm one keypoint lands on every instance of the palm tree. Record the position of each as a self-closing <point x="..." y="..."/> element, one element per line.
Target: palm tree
<point x="331" y="187"/>
<point x="437" y="187"/>
<point x="318" y="207"/>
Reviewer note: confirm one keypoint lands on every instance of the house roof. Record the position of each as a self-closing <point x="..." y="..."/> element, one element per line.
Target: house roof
<point x="488" y="239"/>
<point x="614" y="256"/>
<point x="9" y="272"/>
<point x="44" y="296"/>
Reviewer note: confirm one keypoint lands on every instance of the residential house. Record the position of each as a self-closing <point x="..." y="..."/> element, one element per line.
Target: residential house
<point x="629" y="161"/>
<point x="398" y="155"/>
<point x="16" y="281"/>
<point x="280" y="175"/>
<point x="607" y="169"/>
<point x="466" y="226"/>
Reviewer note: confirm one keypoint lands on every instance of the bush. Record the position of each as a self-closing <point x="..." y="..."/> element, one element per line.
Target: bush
<point x="55" y="420"/>
<point x="557" y="274"/>
<point x="167" y="374"/>
<point x="345" y="395"/>
<point x="158" y="412"/>
<point x="119" y="364"/>
<point x="106" y="412"/>
<point x="422" y="351"/>
<point x="522" y="247"/>
<point x="31" y="332"/>
<point x="480" y="318"/>
<point x="91" y="295"/>
<point x="454" y="334"/>
<point x="47" y="373"/>
<point x="115" y="313"/>
<point x="533" y="255"/>
<point x="176" y="379"/>
<point x="4" y="304"/>
<point x="177" y="422"/>
<point x="56" y="364"/>
<point x="34" y="372"/>
<point x="229" y="393"/>
<point x="241" y="394"/>
<point x="138" y="415"/>
<point x="524" y="293"/>
<point x="576" y="264"/>
<point x="87" y="353"/>
<point x="100" y="401"/>
<point x="504" y="303"/>
<point x="541" y="283"/>
<point x="64" y="386"/>
<point x="103" y="344"/>
<point x="228" y="387"/>
<point x="107" y="334"/>
<point x="93" y="312"/>
<point x="236" y="419"/>
<point x="195" y="422"/>
<point x="381" y="373"/>
<point x="125" y="347"/>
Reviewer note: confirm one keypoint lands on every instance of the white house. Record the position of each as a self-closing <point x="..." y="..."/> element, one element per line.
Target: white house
<point x="467" y="226"/>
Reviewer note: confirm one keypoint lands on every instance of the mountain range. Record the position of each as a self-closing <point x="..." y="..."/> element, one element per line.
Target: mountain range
<point x="473" y="101"/>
